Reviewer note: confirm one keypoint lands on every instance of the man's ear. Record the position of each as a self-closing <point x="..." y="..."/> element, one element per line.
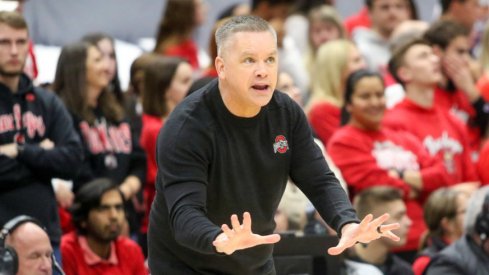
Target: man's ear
<point x="404" y="74"/>
<point x="219" y="64"/>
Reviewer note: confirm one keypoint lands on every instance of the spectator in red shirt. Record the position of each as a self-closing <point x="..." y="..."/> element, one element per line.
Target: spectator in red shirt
<point x="174" y="36"/>
<point x="335" y="61"/>
<point x="415" y="66"/>
<point x="369" y="154"/>
<point x="457" y="92"/>
<point x="167" y="81"/>
<point x="97" y="246"/>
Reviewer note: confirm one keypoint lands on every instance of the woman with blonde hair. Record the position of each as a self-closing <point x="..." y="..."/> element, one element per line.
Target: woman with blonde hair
<point x="325" y="25"/>
<point x="335" y="61"/>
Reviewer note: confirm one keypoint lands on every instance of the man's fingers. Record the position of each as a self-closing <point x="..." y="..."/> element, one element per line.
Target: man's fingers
<point x="380" y="220"/>
<point x="225" y="228"/>
<point x="366" y="220"/>
<point x="270" y="239"/>
<point x="247" y="221"/>
<point x="337" y="250"/>
<point x="389" y="227"/>
<point x="235" y="223"/>
<point x="391" y="236"/>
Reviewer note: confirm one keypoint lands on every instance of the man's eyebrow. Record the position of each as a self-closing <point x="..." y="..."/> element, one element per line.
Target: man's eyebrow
<point x="248" y="53"/>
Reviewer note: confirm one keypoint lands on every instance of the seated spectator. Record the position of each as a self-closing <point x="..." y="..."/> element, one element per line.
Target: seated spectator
<point x="369" y="154"/>
<point x="324" y="25"/>
<point x="373" y="42"/>
<point x="375" y="258"/>
<point x="111" y="148"/>
<point x="166" y="82"/>
<point x="105" y="43"/>
<point x="415" y="66"/>
<point x="97" y="246"/>
<point x="286" y="84"/>
<point x="457" y="92"/>
<point x="470" y="253"/>
<point x="335" y="61"/>
<point x="174" y="36"/>
<point x="28" y="248"/>
<point x="444" y="213"/>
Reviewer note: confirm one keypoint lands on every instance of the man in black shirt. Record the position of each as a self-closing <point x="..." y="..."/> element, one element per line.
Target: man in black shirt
<point x="228" y="149"/>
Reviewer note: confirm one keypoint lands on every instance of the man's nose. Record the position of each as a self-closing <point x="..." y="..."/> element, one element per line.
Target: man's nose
<point x="261" y="69"/>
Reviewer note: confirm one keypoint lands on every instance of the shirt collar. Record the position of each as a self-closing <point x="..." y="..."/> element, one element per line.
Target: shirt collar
<point x="91" y="258"/>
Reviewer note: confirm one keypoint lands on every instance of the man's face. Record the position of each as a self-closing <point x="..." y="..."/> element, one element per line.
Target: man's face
<point x="386" y="15"/>
<point x="13" y="50"/>
<point x="247" y="68"/>
<point x="104" y="223"/>
<point x="467" y="12"/>
<point x="421" y="66"/>
<point x="33" y="249"/>
<point x="398" y="214"/>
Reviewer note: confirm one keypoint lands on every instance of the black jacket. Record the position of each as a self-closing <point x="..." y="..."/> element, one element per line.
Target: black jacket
<point x="462" y="257"/>
<point x="31" y="115"/>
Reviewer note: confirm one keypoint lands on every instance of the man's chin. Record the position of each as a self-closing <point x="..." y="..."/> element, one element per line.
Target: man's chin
<point x="10" y="73"/>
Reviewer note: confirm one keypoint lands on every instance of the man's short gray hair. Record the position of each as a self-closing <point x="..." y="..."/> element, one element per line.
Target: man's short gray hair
<point x="474" y="208"/>
<point x="243" y="23"/>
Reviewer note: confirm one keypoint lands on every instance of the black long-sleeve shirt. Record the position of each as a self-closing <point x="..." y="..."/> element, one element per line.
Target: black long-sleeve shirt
<point x="25" y="181"/>
<point x="213" y="164"/>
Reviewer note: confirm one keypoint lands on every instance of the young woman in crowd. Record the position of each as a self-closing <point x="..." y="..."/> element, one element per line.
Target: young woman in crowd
<point x="370" y="155"/>
<point x="106" y="45"/>
<point x="166" y="82"/>
<point x="174" y="36"/>
<point x="334" y="63"/>
<point x="82" y="79"/>
<point x="444" y="213"/>
<point x="324" y="24"/>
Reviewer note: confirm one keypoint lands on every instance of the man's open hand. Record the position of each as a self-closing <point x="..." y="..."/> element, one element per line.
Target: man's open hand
<point x="240" y="236"/>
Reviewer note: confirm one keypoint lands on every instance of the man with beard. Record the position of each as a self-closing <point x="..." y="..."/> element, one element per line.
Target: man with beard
<point x="97" y="246"/>
<point x="37" y="139"/>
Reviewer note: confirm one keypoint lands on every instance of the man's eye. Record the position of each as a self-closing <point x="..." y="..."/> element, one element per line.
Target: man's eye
<point x="248" y="60"/>
<point x="271" y="60"/>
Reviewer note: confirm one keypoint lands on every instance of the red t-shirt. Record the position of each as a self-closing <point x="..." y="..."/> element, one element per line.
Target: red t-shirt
<point x="149" y="135"/>
<point x="360" y="19"/>
<point x="126" y="257"/>
<point x="459" y="105"/>
<point x="441" y="133"/>
<point x="187" y="50"/>
<point x="365" y="158"/>
<point x="324" y="118"/>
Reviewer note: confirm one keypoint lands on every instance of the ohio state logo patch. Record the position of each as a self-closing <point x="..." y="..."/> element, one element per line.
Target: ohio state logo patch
<point x="281" y="146"/>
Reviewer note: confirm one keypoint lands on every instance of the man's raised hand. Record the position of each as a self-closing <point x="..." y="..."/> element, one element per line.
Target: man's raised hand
<point x="368" y="230"/>
<point x="240" y="236"/>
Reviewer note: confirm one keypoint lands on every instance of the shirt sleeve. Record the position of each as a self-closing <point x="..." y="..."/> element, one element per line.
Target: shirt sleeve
<point x="183" y="160"/>
<point x="311" y="174"/>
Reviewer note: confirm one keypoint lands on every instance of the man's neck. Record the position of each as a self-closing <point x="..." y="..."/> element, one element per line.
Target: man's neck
<point x="374" y="253"/>
<point x="420" y="94"/>
<point x="234" y="107"/>
<point x="101" y="249"/>
<point x="12" y="82"/>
